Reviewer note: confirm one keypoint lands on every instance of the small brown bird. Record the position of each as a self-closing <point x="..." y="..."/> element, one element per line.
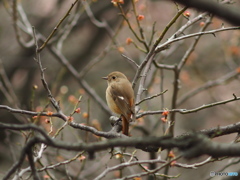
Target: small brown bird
<point x="120" y="98"/>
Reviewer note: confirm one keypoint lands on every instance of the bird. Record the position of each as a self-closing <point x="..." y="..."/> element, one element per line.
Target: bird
<point x="120" y="98"/>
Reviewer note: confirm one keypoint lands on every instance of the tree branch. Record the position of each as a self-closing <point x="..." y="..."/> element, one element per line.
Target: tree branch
<point x="230" y="14"/>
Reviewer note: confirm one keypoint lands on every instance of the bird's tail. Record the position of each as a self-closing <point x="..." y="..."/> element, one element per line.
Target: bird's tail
<point x="125" y="126"/>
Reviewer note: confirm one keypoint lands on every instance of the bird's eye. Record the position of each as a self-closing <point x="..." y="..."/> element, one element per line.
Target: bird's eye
<point x="113" y="77"/>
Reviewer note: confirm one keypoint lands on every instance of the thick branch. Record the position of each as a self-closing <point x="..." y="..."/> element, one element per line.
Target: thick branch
<point x="230" y="14"/>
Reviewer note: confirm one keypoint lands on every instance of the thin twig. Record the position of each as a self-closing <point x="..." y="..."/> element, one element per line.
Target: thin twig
<point x="211" y="83"/>
<point x="209" y="105"/>
<point x="8" y="84"/>
<point x="31" y="113"/>
<point x="131" y="60"/>
<point x="152" y="34"/>
<point x="98" y="23"/>
<point x="193" y="45"/>
<point x="129" y="24"/>
<point x="151" y="97"/>
<point x="56" y="28"/>
<point x="139" y="26"/>
<point x="128" y="164"/>
<point x="65" y="31"/>
<point x="16" y="21"/>
<point x="185" y="111"/>
<point x="231" y="14"/>
<point x="60" y="163"/>
<point x="159" y="48"/>
<point x="44" y="82"/>
<point x="154" y="170"/>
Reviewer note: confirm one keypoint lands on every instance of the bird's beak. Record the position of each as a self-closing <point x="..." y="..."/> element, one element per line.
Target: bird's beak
<point x="105" y="78"/>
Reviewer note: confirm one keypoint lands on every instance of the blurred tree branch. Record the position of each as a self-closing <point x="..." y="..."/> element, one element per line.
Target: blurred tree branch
<point x="231" y="14"/>
<point x="193" y="145"/>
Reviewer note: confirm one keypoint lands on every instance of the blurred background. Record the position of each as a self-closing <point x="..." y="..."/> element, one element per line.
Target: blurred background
<point x="215" y="57"/>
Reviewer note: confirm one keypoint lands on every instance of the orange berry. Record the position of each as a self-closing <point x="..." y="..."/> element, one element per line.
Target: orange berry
<point x="78" y="110"/>
<point x="171" y="154"/>
<point x="202" y="24"/>
<point x="173" y="163"/>
<point x="82" y="157"/>
<point x="47" y="121"/>
<point x="140" y="17"/>
<point x="121" y="49"/>
<point x="49" y="113"/>
<point x="129" y="41"/>
<point x="34" y="117"/>
<point x="85" y="115"/>
<point x="70" y="118"/>
<point x="163" y="119"/>
<point x="187" y="14"/>
<point x="165" y="113"/>
<point x="118" y="156"/>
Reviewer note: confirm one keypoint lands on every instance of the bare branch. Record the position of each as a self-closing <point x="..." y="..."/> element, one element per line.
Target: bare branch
<point x="131" y="60"/>
<point x="19" y="37"/>
<point x="151" y="97"/>
<point x="60" y="163"/>
<point x="193" y="35"/>
<point x="57" y="26"/>
<point x="31" y="113"/>
<point x="99" y="24"/>
<point x="212" y="83"/>
<point x="127" y="164"/>
<point x="193" y="45"/>
<point x="44" y="82"/>
<point x="12" y="96"/>
<point x="231" y="14"/>
<point x="185" y="111"/>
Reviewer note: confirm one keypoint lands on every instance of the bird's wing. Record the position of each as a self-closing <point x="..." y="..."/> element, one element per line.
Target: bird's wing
<point x="123" y="101"/>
